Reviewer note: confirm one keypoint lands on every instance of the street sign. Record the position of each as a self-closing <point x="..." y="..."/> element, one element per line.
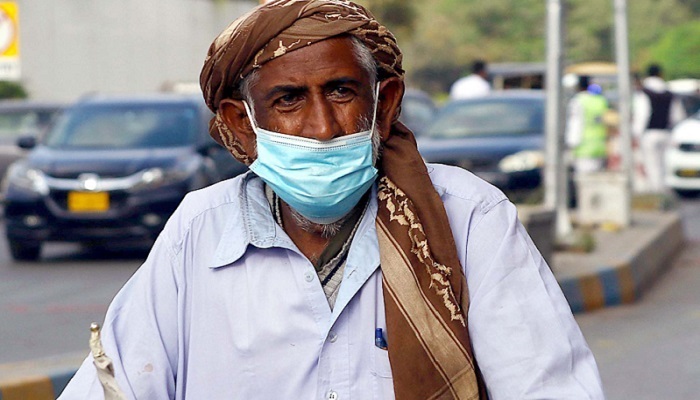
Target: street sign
<point x="9" y="41"/>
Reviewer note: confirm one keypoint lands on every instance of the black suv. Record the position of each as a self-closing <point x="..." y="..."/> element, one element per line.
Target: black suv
<point x="111" y="169"/>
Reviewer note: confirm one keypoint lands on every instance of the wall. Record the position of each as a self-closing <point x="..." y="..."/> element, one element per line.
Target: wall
<point x="72" y="47"/>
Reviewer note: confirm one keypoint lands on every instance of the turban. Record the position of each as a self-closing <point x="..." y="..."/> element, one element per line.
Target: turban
<point x="276" y="28"/>
<point x="425" y="291"/>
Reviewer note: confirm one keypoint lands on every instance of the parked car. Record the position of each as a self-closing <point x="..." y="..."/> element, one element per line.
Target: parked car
<point x="19" y="118"/>
<point x="417" y="110"/>
<point x="499" y="137"/>
<point x="683" y="158"/>
<point x="111" y="169"/>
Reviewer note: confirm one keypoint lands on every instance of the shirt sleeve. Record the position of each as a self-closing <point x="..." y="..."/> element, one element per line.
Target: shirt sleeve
<point x="526" y="341"/>
<point x="641" y="111"/>
<point x="574" y="123"/>
<point x="139" y="335"/>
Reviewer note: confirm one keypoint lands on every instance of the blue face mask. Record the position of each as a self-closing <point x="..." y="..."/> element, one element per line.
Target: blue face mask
<point x="321" y="180"/>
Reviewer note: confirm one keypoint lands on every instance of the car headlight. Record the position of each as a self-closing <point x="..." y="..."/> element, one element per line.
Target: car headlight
<point x="522" y="161"/>
<point x="155" y="177"/>
<point x="21" y="175"/>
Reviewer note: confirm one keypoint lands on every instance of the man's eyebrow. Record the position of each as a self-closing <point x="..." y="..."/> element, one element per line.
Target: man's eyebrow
<point x="285" y="89"/>
<point x="342" y="81"/>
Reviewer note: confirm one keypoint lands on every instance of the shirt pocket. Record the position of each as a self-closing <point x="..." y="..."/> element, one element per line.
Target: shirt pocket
<point x="380" y="363"/>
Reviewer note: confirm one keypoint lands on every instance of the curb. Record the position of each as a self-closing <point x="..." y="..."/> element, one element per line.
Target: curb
<point x="36" y="387"/>
<point x="625" y="281"/>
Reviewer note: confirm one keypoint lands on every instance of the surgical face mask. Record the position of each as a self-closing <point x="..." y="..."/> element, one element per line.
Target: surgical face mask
<point x="321" y="180"/>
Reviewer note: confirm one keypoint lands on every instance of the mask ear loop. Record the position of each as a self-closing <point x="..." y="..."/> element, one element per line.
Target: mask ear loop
<point x="251" y="116"/>
<point x="376" y="105"/>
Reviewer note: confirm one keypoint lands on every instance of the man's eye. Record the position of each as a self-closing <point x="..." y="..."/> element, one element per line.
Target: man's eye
<point x="342" y="92"/>
<point x="288" y="99"/>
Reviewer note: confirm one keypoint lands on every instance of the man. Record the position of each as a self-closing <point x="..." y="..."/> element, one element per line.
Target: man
<point x="472" y="85"/>
<point x="270" y="285"/>
<point x="586" y="133"/>
<point x="655" y="112"/>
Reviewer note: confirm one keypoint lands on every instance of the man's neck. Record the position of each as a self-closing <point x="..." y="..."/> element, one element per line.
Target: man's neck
<point x="310" y="243"/>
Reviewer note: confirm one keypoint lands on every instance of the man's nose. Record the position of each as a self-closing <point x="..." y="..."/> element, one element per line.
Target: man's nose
<point x="321" y="123"/>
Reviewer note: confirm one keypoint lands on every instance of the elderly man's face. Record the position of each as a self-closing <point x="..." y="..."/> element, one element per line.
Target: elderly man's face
<point x="318" y="92"/>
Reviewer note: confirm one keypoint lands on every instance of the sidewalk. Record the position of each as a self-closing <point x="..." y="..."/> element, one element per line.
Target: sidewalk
<point x="622" y="265"/>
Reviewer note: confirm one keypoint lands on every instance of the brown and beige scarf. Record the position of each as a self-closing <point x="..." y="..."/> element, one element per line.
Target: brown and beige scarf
<point x="425" y="291"/>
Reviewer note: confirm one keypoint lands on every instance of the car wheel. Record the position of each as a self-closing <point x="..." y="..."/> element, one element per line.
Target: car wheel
<point x="687" y="194"/>
<point x="24" y="250"/>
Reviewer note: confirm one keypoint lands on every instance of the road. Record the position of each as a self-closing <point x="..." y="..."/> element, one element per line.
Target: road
<point x="46" y="307"/>
<point x="647" y="350"/>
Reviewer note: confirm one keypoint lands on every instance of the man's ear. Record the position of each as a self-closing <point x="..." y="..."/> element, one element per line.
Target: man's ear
<point x="390" y="96"/>
<point x="234" y="115"/>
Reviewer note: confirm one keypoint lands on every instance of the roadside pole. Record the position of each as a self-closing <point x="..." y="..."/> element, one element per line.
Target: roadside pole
<point x="624" y="90"/>
<point x="555" y="169"/>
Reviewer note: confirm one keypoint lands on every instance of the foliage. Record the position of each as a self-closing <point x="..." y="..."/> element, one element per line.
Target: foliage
<point x="12" y="90"/>
<point x="441" y="38"/>
<point x="678" y="51"/>
<point x="398" y="15"/>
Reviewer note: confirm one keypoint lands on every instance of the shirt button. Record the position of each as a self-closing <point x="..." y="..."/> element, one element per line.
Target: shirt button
<point x="332" y="336"/>
<point x="309" y="276"/>
<point x="332" y="395"/>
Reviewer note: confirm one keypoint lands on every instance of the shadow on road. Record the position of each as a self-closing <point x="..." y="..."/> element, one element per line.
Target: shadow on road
<point x="74" y="252"/>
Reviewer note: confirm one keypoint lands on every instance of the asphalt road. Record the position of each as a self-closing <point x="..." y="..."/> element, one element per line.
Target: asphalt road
<point x="650" y="350"/>
<point x="46" y="307"/>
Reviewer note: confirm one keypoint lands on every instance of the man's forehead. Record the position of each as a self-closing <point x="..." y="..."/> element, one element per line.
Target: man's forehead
<point x="325" y="61"/>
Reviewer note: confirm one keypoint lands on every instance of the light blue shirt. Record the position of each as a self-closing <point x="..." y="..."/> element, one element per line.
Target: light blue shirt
<point x="226" y="307"/>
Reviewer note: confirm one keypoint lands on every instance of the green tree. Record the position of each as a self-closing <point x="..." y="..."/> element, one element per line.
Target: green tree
<point x="398" y="15"/>
<point x="12" y="90"/>
<point x="452" y="33"/>
<point x="590" y="29"/>
<point x="440" y="38"/>
<point x="678" y="51"/>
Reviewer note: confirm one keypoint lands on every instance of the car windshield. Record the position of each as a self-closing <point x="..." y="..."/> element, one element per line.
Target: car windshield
<point x="416" y="113"/>
<point x="488" y="117"/>
<point x="126" y="127"/>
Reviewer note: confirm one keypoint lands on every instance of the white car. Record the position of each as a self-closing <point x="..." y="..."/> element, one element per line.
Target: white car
<point x="683" y="158"/>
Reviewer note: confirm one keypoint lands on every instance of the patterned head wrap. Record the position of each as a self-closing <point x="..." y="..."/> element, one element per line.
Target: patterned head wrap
<point x="425" y="291"/>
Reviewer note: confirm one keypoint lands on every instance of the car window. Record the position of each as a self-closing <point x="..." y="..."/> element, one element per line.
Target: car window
<point x="125" y="127"/>
<point x="13" y="124"/>
<point x="416" y="113"/>
<point x="489" y="117"/>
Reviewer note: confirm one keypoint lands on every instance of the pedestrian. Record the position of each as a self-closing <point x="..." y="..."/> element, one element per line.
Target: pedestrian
<point x="655" y="112"/>
<point x="341" y="266"/>
<point x="586" y="132"/>
<point x="472" y="85"/>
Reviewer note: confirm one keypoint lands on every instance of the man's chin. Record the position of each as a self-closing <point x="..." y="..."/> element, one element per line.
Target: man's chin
<point x="324" y="230"/>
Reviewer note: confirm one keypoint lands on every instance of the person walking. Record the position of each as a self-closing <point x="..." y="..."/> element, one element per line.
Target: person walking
<point x="586" y="132"/>
<point x="655" y="113"/>
<point x="472" y="85"/>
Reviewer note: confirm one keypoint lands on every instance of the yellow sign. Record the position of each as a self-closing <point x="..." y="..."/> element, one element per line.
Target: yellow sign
<point x="9" y="29"/>
<point x="9" y="41"/>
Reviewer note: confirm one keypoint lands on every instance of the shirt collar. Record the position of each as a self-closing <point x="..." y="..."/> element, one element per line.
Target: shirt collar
<point x="255" y="225"/>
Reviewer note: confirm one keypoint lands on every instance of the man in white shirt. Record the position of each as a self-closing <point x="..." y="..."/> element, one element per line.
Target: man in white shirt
<point x="341" y="266"/>
<point x="472" y="85"/>
<point x="656" y="110"/>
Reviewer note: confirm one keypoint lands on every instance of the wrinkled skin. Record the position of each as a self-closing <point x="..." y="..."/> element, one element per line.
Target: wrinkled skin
<point x="319" y="92"/>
